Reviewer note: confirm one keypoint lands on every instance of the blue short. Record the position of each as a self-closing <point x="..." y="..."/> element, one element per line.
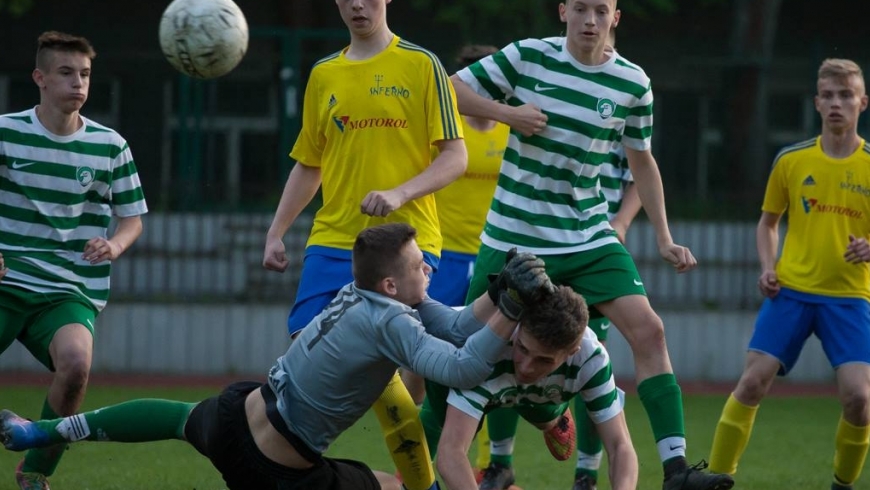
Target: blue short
<point x="450" y="284"/>
<point x="325" y="271"/>
<point x="785" y="322"/>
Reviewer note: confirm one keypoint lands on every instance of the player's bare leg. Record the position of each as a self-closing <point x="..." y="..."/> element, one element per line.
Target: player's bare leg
<point x="659" y="392"/>
<point x="738" y="415"/>
<point x="71" y="351"/>
<point x="853" y="429"/>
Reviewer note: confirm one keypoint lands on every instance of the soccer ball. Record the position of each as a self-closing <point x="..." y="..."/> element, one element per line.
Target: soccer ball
<point x="203" y="38"/>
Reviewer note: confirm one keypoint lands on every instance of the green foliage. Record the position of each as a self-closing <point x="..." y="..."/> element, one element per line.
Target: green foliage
<point x="16" y="8"/>
<point x="778" y="456"/>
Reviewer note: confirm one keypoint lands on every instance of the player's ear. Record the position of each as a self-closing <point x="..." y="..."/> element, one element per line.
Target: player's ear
<point x="38" y="77"/>
<point x="563" y="7"/>
<point x="388" y="287"/>
<point x="616" y="15"/>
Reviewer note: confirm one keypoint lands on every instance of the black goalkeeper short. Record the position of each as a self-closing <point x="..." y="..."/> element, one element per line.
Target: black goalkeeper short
<point x="218" y="429"/>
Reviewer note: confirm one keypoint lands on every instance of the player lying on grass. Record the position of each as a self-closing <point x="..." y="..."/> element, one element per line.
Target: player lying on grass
<point x="273" y="434"/>
<point x="553" y="357"/>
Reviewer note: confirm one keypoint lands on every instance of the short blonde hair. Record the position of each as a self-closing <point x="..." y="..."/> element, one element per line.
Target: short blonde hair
<point x="840" y="69"/>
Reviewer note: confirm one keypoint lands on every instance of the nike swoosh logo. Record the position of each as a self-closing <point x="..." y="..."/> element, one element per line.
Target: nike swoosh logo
<point x="674" y="448"/>
<point x="543" y="88"/>
<point x="605" y="325"/>
<point x="18" y="165"/>
<point x="89" y="322"/>
<point x="638" y="283"/>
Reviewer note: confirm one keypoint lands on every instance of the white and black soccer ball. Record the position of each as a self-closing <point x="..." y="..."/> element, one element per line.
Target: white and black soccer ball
<point x="203" y="38"/>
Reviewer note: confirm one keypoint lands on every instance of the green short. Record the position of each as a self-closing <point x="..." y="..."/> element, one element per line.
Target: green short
<point x="33" y="318"/>
<point x="600" y="275"/>
<point x="600" y="326"/>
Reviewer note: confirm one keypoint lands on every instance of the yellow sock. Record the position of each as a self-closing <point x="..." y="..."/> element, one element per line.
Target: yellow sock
<point x="404" y="435"/>
<point x="732" y="435"/>
<point x="483" y="445"/>
<point x="851" y="451"/>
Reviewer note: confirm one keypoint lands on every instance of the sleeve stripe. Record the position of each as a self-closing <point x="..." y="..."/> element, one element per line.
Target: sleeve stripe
<point x="445" y="97"/>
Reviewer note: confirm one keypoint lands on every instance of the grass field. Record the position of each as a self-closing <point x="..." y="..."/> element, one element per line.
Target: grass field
<point x="791" y="448"/>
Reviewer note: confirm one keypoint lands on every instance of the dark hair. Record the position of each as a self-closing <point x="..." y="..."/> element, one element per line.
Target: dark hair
<point x="557" y="320"/>
<point x="58" y="41"/>
<point x="376" y="252"/>
<point x="470" y="53"/>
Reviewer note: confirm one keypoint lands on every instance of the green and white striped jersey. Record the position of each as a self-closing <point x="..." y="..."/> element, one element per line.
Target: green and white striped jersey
<point x="549" y="198"/>
<point x="615" y="177"/>
<point x="587" y="373"/>
<point x="56" y="193"/>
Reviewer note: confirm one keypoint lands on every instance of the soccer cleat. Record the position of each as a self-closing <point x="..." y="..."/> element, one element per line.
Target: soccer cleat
<point x="693" y="478"/>
<point x="497" y="477"/>
<point x="18" y="434"/>
<point x="584" y="482"/>
<point x="30" y="481"/>
<point x="562" y="438"/>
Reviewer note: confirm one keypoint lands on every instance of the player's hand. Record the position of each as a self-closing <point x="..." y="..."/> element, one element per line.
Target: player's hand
<point x="100" y="249"/>
<point x="522" y="281"/>
<point x="857" y="251"/>
<point x="678" y="256"/>
<point x="768" y="284"/>
<point x="3" y="269"/>
<point x="528" y="119"/>
<point x="381" y="203"/>
<point x="275" y="255"/>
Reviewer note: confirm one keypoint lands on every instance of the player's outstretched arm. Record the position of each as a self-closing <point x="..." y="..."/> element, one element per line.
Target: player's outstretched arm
<point x="621" y="456"/>
<point x="301" y="186"/>
<point x="649" y="187"/>
<point x="452" y="461"/>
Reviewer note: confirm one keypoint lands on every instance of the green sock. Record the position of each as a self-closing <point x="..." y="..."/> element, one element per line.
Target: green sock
<point x="44" y="460"/>
<point x="663" y="402"/>
<point x="502" y="426"/>
<point x="143" y="420"/>
<point x="589" y="446"/>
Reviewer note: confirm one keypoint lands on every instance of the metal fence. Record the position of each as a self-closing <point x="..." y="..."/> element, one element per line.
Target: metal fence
<point x="208" y="258"/>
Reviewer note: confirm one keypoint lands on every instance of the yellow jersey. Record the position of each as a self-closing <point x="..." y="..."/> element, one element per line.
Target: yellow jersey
<point x="368" y="125"/>
<point x="462" y="205"/>
<point x="827" y="200"/>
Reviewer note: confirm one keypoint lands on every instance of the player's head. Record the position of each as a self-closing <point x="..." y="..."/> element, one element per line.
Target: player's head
<point x="842" y="95"/>
<point x="63" y="70"/>
<point x="363" y="18"/>
<point x="589" y="22"/>
<point x="471" y="53"/>
<point x="550" y="331"/>
<point x="387" y="259"/>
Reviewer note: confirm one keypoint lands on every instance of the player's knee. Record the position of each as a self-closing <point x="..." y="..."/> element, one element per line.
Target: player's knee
<point x="72" y="371"/>
<point x="855" y="406"/>
<point x="646" y="333"/>
<point x="751" y="389"/>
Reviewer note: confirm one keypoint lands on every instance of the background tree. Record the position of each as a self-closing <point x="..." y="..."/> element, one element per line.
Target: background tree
<point x="16" y="8"/>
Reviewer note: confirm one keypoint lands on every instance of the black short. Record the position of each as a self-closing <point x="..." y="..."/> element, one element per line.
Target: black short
<point x="218" y="429"/>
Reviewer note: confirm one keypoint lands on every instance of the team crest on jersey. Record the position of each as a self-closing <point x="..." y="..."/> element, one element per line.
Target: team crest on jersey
<point x="85" y="175"/>
<point x="606" y="107"/>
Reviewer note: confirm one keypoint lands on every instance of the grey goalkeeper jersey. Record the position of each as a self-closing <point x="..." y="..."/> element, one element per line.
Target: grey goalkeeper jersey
<point x="343" y="360"/>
